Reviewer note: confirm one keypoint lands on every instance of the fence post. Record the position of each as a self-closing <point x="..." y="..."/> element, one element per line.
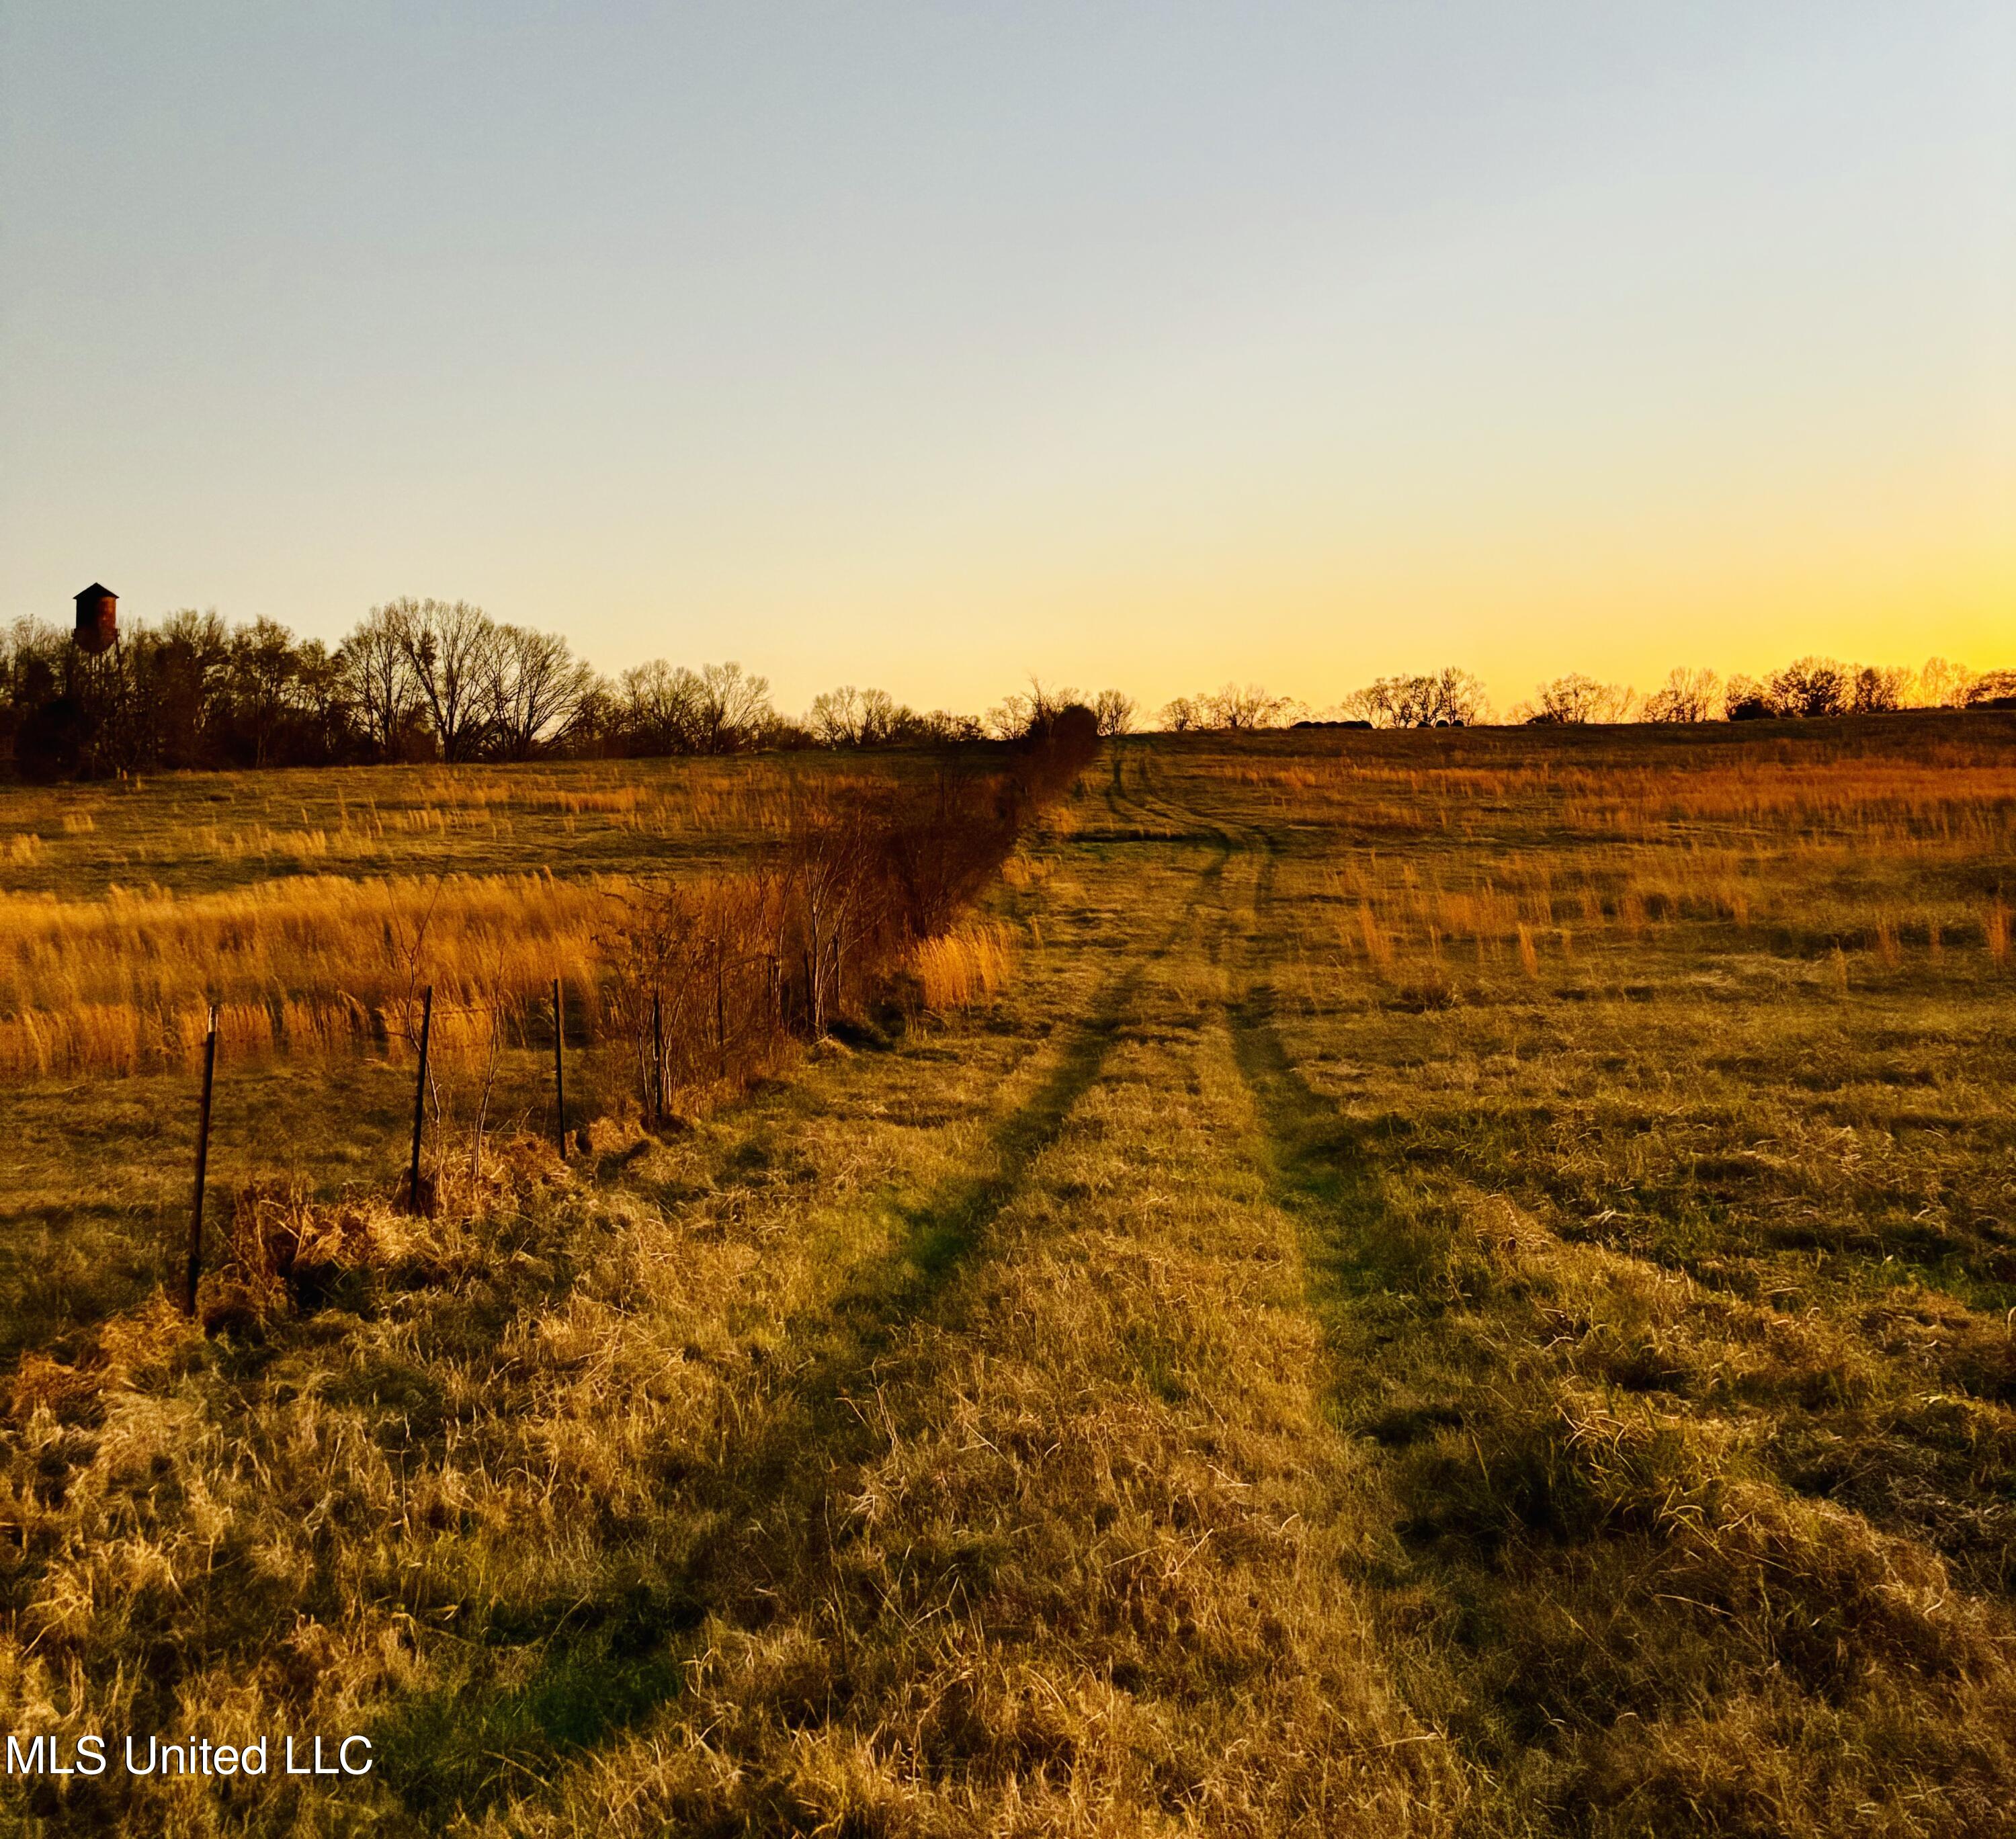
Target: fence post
<point x="559" y="1072"/>
<point x="420" y="1101"/>
<point x="658" y="1056"/>
<point x="202" y="1169"/>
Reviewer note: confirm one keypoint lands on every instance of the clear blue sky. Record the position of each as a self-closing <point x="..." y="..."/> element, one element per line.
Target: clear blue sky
<point x="927" y="345"/>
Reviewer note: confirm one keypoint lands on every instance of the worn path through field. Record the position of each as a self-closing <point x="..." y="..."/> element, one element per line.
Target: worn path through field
<point x="1058" y="1535"/>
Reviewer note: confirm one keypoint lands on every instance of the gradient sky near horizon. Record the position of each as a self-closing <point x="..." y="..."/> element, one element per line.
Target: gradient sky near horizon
<point x="931" y="346"/>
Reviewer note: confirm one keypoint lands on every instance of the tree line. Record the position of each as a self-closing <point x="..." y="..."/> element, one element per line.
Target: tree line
<point x="1808" y="687"/>
<point x="420" y="680"/>
<point x="1450" y="698"/>
<point x="414" y="680"/>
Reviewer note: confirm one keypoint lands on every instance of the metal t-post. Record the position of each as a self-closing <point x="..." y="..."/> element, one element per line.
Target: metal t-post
<point x="560" y="1073"/>
<point x="420" y="1101"/>
<point x="657" y="1056"/>
<point x="202" y="1169"/>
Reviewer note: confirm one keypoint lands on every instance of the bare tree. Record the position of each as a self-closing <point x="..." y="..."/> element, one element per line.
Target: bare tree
<point x="661" y="708"/>
<point x="1180" y="714"/>
<point x="1809" y="686"/>
<point x="1746" y="699"/>
<point x="829" y="858"/>
<point x="1456" y="699"/>
<point x="835" y="719"/>
<point x="1011" y="718"/>
<point x="263" y="671"/>
<point x="1444" y="698"/>
<point x="1046" y="705"/>
<point x="1686" y="695"/>
<point x="1879" y="689"/>
<point x="372" y="663"/>
<point x="1018" y="717"/>
<point x="1239" y="709"/>
<point x="1942" y="685"/>
<point x="1376" y="703"/>
<point x="450" y="649"/>
<point x="537" y="689"/>
<point x="733" y="708"/>
<point x="1575" y="701"/>
<point x="883" y="720"/>
<point x="1115" y="711"/>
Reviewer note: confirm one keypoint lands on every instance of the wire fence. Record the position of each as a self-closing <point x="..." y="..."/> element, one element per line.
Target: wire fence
<point x="707" y="988"/>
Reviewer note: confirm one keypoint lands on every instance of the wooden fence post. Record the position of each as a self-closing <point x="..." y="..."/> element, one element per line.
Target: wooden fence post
<point x="202" y="1169"/>
<point x="559" y="1072"/>
<point x="420" y="1102"/>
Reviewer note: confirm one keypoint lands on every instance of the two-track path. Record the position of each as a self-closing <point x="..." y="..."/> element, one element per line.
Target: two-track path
<point x="1045" y="1522"/>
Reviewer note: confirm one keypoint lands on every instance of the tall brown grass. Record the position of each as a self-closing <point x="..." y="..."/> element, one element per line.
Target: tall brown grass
<point x="122" y="982"/>
<point x="124" y="985"/>
<point x="963" y="967"/>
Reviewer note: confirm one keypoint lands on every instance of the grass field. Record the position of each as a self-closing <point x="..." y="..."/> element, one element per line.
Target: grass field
<point x="312" y="907"/>
<point x="1461" y="1283"/>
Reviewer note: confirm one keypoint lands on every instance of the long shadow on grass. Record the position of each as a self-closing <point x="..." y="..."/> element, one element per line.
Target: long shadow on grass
<point x="605" y="1664"/>
<point x="1317" y="1165"/>
<point x="65" y="1268"/>
<point x="1494" y="1530"/>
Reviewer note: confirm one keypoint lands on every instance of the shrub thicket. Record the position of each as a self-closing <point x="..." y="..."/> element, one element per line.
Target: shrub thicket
<point x="709" y="982"/>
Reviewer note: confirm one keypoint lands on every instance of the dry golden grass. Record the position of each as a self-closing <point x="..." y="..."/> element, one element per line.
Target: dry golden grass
<point x="201" y="833"/>
<point x="967" y="966"/>
<point x="105" y="979"/>
<point x="309" y="964"/>
<point x="101" y="976"/>
<point x="1496" y="1329"/>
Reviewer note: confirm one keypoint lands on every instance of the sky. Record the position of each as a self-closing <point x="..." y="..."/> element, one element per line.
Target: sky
<point x="932" y="345"/>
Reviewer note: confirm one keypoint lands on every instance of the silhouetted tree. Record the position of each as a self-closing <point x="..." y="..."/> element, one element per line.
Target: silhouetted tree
<point x="733" y="709"/>
<point x="537" y="690"/>
<point x="1808" y="687"/>
<point x="1686" y="695"/>
<point x="1114" y="711"/>
<point x="450" y="649"/>
<point x="1746" y="699"/>
<point x="1576" y="701"/>
<point x="374" y="674"/>
<point x="1446" y="698"/>
<point x="1942" y="685"/>
<point x="1876" y="689"/>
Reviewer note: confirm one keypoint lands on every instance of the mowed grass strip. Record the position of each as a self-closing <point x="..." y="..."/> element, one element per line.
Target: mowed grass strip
<point x="1087" y="1567"/>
